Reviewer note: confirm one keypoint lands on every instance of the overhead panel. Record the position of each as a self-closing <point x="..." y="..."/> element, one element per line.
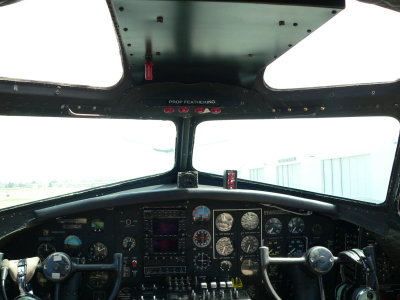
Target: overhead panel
<point x="212" y="41"/>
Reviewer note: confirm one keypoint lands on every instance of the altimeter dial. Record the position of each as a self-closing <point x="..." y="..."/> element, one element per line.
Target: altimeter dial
<point x="224" y="246"/>
<point x="202" y="238"/>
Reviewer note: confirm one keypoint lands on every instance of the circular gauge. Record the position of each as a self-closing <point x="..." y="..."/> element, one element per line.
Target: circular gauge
<point x="98" y="251"/>
<point x="273" y="226"/>
<point x="249" y="267"/>
<point x="72" y="242"/>
<point x="296" y="248"/>
<point x="97" y="225"/>
<point x="224" y="222"/>
<point x="250" y="220"/>
<point x="125" y="293"/>
<point x="225" y="265"/>
<point x="275" y="247"/>
<point x="202" y="261"/>
<point x="296" y="225"/>
<point x="128" y="243"/>
<point x="224" y="246"/>
<point x="45" y="249"/>
<point x="316" y="229"/>
<point x="98" y="279"/>
<point x="201" y="213"/>
<point x="249" y="244"/>
<point x="202" y="238"/>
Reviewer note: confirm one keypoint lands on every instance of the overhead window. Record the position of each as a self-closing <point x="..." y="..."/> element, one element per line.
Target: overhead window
<point x="69" y="42"/>
<point x="358" y="46"/>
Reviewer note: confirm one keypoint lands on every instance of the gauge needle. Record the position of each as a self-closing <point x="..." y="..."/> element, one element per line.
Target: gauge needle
<point x="271" y="230"/>
<point x="248" y="248"/>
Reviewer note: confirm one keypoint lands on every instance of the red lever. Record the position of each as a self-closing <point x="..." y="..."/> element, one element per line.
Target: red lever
<point x="149" y="71"/>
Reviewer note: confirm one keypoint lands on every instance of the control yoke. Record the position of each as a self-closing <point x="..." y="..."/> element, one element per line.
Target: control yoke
<point x="318" y="259"/>
<point x="58" y="267"/>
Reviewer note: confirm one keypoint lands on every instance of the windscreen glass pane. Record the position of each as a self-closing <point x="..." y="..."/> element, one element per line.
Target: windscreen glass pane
<point x="69" y="42"/>
<point x="344" y="157"/>
<point x="357" y="46"/>
<point x="45" y="157"/>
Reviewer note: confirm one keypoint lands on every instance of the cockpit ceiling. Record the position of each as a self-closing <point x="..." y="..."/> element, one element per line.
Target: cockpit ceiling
<point x="212" y="41"/>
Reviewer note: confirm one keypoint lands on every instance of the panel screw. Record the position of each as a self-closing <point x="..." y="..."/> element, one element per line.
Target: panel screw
<point x="322" y="108"/>
<point x="281" y="23"/>
<point x="160" y="19"/>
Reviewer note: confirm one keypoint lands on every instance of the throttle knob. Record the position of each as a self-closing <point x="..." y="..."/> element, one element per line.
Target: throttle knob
<point x="320" y="260"/>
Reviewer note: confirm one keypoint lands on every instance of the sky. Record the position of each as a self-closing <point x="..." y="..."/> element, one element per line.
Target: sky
<point x="44" y="149"/>
<point x="68" y="41"/>
<point x="361" y="44"/>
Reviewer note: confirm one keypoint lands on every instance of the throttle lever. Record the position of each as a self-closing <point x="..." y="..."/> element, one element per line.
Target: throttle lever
<point x="372" y="278"/>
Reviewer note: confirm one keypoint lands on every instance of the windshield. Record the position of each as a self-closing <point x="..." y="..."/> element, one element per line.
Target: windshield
<point x="344" y="157"/>
<point x="360" y="45"/>
<point x="44" y="157"/>
<point x="65" y="41"/>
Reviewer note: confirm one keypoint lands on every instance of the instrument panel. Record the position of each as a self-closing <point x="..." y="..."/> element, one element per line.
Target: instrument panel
<point x="179" y="245"/>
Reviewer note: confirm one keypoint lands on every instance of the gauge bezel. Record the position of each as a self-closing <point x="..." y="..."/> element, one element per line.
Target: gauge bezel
<point x="207" y="241"/>
<point x="254" y="247"/>
<point x="94" y="252"/>
<point x="228" y="222"/>
<point x="268" y="223"/>
<point x="224" y="242"/>
<point x="254" y="216"/>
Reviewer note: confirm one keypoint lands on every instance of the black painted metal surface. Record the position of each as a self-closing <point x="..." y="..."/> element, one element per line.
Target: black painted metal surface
<point x="204" y="41"/>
